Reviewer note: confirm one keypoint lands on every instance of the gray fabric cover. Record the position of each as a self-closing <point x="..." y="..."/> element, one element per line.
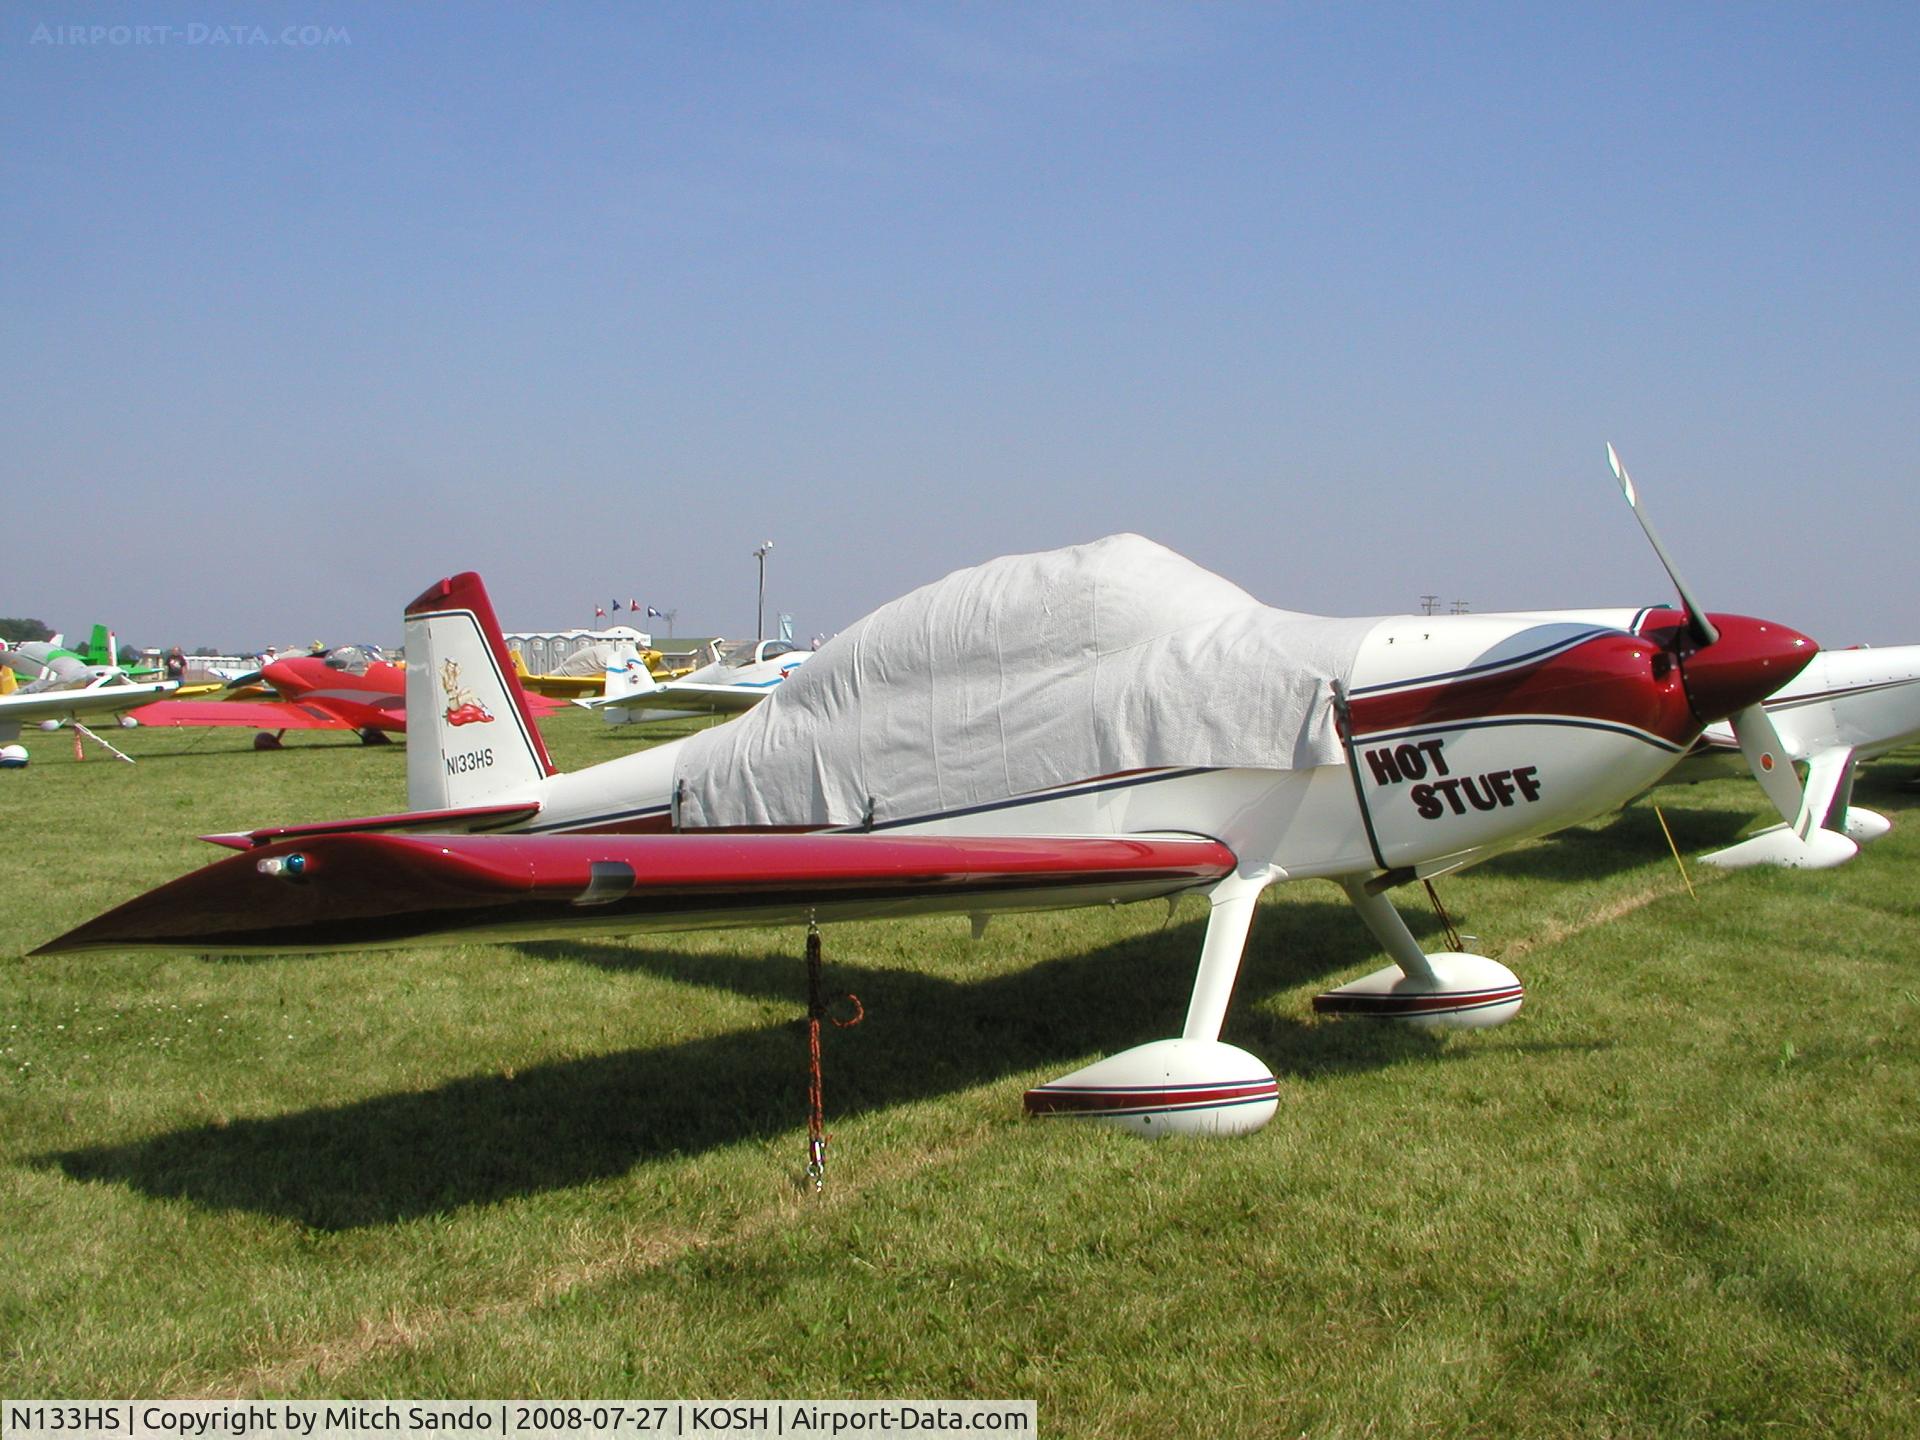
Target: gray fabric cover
<point x="1027" y="672"/>
<point x="593" y="659"/>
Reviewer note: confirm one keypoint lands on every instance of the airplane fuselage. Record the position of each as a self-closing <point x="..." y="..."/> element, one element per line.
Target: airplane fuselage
<point x="371" y="698"/>
<point x="1461" y="734"/>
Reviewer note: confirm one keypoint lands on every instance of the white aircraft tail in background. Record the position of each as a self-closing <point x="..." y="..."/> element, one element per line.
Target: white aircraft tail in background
<point x="743" y="676"/>
<point x="627" y="679"/>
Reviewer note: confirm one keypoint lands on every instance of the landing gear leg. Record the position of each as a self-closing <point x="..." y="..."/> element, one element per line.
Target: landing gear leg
<point x="1196" y="1085"/>
<point x="1446" y="990"/>
<point x="1228" y="922"/>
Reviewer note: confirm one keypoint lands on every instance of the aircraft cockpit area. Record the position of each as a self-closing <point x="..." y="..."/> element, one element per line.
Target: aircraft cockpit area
<point x="356" y="659"/>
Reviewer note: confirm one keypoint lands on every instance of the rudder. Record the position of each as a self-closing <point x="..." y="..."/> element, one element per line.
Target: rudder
<point x="103" y="647"/>
<point x="627" y="674"/>
<point x="470" y="735"/>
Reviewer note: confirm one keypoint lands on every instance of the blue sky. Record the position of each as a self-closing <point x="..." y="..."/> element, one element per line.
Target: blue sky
<point x="1343" y="302"/>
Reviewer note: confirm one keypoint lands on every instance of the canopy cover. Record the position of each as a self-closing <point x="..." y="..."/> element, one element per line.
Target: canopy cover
<point x="1025" y="673"/>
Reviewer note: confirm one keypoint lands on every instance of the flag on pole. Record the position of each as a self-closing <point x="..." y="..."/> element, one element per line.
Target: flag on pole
<point x="599" y="613"/>
<point x="616" y="604"/>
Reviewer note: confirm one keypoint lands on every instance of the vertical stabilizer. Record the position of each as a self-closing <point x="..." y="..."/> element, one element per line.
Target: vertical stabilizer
<point x="103" y="647"/>
<point x="470" y="738"/>
<point x="627" y="674"/>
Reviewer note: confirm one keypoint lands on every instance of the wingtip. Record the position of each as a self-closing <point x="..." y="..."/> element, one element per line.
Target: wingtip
<point x="60" y="945"/>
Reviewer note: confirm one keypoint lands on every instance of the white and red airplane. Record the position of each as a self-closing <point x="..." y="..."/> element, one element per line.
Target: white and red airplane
<point x="1032" y="733"/>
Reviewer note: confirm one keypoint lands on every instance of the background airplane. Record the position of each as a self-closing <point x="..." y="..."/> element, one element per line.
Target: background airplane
<point x="52" y="699"/>
<point x="350" y="687"/>
<point x="51" y="659"/>
<point x="942" y="755"/>
<point x="586" y="674"/>
<point x="1846" y="707"/>
<point x="742" y="676"/>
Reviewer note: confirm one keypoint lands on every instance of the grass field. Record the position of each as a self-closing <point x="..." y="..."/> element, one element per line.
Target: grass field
<point x="1677" y="1196"/>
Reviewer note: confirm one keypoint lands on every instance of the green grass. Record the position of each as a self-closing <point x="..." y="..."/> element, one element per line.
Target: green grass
<point x="1676" y="1196"/>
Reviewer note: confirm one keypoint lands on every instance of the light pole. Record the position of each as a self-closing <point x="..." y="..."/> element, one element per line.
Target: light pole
<point x="760" y="616"/>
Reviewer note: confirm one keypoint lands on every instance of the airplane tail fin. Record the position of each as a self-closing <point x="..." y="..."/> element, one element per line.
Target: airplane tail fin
<point x="627" y="675"/>
<point x="103" y="647"/>
<point x="471" y="739"/>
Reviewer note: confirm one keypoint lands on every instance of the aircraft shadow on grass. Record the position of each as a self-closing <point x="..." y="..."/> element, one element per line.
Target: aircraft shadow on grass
<point x="487" y="1138"/>
<point x="1627" y="838"/>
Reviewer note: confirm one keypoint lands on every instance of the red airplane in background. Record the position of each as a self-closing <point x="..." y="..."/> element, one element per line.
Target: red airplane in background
<point x="350" y="687"/>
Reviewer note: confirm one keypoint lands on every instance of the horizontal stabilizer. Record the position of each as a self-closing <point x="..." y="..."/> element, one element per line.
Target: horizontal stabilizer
<point x="476" y="817"/>
<point x="334" y="892"/>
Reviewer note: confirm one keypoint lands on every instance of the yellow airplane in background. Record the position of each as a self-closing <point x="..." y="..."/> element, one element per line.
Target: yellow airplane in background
<point x="590" y="682"/>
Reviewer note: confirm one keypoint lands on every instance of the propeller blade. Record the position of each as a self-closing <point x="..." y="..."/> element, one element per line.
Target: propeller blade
<point x="1772" y="767"/>
<point x="1698" y="625"/>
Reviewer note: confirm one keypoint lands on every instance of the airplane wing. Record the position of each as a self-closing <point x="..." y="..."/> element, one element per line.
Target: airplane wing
<point x="680" y="696"/>
<point x="253" y="714"/>
<point x="562" y="687"/>
<point x="322" y="892"/>
<point x="96" y="699"/>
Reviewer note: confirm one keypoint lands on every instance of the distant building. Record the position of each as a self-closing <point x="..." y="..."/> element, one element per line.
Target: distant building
<point x="545" y="652"/>
<point x="690" y="652"/>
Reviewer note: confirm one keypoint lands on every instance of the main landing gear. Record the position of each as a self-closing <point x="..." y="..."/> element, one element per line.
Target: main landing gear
<point x="1828" y="831"/>
<point x="1448" y="990"/>
<point x="1199" y="1085"/>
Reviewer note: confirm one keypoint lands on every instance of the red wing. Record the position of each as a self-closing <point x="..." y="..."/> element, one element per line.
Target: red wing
<point x="254" y="714"/>
<point x="339" y="892"/>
